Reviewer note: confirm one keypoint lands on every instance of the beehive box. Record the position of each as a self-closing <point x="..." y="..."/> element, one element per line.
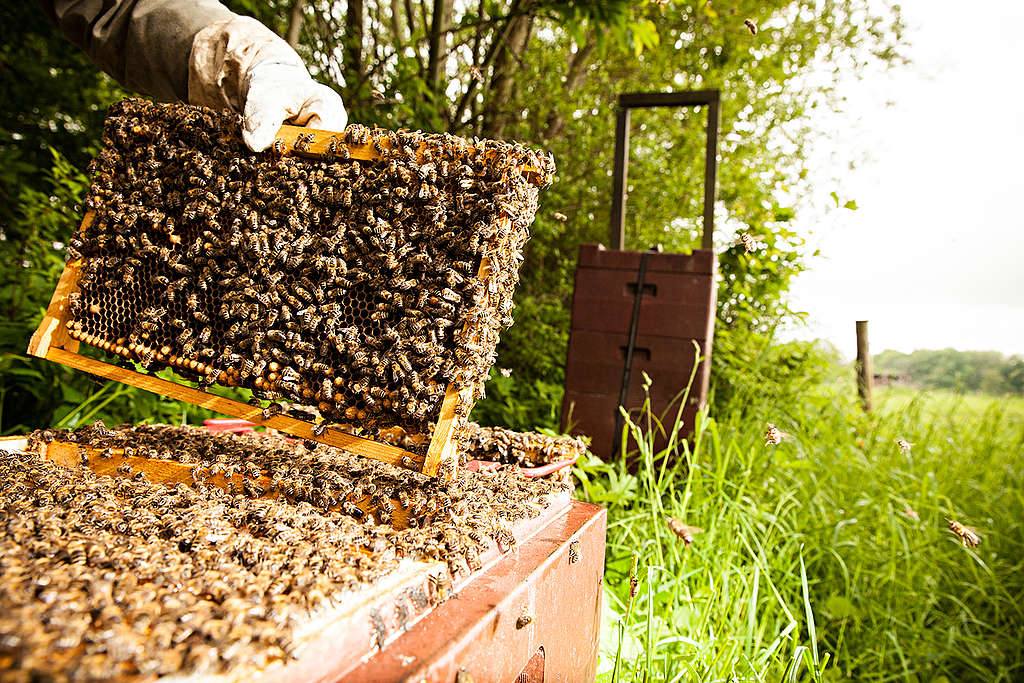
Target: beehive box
<point x="362" y="276"/>
<point x="275" y="559"/>
<point x="676" y="311"/>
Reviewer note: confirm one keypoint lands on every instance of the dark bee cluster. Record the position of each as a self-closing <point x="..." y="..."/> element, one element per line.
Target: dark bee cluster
<point x="104" y="577"/>
<point x="362" y="289"/>
<point x="525" y="449"/>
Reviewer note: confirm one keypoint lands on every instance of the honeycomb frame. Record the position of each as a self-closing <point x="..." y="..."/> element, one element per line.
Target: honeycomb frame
<point x="57" y="341"/>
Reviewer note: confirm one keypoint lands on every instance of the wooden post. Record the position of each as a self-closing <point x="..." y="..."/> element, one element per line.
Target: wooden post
<point x="865" y="373"/>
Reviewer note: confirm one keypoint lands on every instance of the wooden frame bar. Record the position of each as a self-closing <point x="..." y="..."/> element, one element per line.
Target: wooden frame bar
<point x="644" y="100"/>
<point x="53" y="341"/>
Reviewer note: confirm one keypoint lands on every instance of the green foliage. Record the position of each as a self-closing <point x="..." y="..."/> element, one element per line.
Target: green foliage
<point x="813" y="565"/>
<point x="546" y="72"/>
<point x="986" y="371"/>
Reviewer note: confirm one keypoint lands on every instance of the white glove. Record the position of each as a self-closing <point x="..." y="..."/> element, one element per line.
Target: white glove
<point x="242" y="65"/>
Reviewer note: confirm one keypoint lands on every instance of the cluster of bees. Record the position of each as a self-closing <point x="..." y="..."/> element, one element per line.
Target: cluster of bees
<point x="525" y="449"/>
<point x="110" y="576"/>
<point x="363" y="290"/>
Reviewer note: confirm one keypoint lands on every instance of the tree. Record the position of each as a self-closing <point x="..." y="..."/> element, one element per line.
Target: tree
<point x="547" y="72"/>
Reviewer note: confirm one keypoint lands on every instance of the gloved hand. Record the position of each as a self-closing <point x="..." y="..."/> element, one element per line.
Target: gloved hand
<point x="242" y="65"/>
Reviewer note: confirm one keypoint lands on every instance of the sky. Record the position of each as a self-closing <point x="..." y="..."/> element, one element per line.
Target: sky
<point x="934" y="255"/>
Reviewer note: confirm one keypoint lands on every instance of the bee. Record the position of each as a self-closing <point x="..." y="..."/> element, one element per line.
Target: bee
<point x="331" y="149"/>
<point x="751" y="26"/>
<point x="574" y="552"/>
<point x="748" y="241"/>
<point x="303" y="141"/>
<point x="559" y="216"/>
<point x="523" y="621"/>
<point x="377" y="95"/>
<point x="684" y="532"/>
<point x="271" y="410"/>
<point x="773" y="436"/>
<point x="506" y="372"/>
<point x="903" y="445"/>
<point x="968" y="535"/>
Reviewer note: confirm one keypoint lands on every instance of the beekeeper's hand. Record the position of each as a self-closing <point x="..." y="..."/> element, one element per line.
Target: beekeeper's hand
<point x="241" y="64"/>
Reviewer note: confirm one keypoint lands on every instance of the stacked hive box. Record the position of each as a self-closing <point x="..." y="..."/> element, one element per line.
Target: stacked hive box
<point x="677" y="308"/>
<point x="103" y="577"/>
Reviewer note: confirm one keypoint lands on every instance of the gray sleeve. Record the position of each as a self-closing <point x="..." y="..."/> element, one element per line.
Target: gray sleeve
<point x="143" y="44"/>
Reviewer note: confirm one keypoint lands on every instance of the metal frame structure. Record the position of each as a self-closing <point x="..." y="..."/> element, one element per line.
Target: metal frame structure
<point x="630" y="101"/>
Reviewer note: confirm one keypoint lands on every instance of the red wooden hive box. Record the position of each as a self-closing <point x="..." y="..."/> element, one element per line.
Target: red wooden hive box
<point x="677" y="308"/>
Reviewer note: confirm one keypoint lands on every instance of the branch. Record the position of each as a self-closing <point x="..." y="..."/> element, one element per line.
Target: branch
<point x="295" y="23"/>
<point x="574" y="77"/>
<point x="438" y="20"/>
<point x="496" y="111"/>
<point x="353" y="43"/>
<point x="396" y="25"/>
<point x="492" y="51"/>
<point x="410" y="19"/>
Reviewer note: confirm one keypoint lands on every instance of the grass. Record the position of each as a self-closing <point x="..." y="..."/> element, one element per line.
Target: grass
<point x="823" y="558"/>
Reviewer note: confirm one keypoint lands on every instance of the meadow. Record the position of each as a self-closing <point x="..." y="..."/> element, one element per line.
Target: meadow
<point x="827" y="556"/>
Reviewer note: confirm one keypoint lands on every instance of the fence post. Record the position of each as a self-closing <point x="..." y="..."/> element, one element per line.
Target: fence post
<point x="865" y="373"/>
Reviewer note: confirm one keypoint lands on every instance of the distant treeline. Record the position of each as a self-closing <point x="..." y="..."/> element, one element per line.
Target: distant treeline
<point x="986" y="371"/>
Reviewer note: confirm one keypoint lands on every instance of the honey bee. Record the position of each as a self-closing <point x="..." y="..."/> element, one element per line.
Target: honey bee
<point x="684" y="532"/>
<point x="751" y="26"/>
<point x="967" y="535"/>
<point x="903" y="445"/>
<point x="748" y="241"/>
<point x="773" y="436"/>
<point x="303" y="141"/>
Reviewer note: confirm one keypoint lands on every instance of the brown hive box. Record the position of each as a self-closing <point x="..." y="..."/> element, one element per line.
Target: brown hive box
<point x="362" y="277"/>
<point x="276" y="561"/>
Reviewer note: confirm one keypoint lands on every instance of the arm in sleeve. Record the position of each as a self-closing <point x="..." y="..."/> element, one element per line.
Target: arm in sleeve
<point x="143" y="44"/>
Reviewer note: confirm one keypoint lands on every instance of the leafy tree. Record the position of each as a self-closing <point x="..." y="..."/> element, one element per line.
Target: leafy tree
<point x="985" y="371"/>
<point x="544" y="71"/>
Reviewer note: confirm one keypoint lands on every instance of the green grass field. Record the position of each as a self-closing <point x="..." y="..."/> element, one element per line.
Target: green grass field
<point x="826" y="557"/>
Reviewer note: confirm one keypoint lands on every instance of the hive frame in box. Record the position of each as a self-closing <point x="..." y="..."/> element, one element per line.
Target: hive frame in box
<point x="53" y="341"/>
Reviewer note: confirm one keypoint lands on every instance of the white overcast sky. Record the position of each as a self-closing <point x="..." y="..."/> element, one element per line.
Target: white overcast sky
<point x="934" y="256"/>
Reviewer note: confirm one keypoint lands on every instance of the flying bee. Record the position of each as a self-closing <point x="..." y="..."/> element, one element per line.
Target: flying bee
<point x="903" y="445"/>
<point x="748" y="241"/>
<point x="751" y="26"/>
<point x="684" y="532"/>
<point x="559" y="216"/>
<point x="968" y="535"/>
<point x="773" y="436"/>
<point x="377" y="95"/>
